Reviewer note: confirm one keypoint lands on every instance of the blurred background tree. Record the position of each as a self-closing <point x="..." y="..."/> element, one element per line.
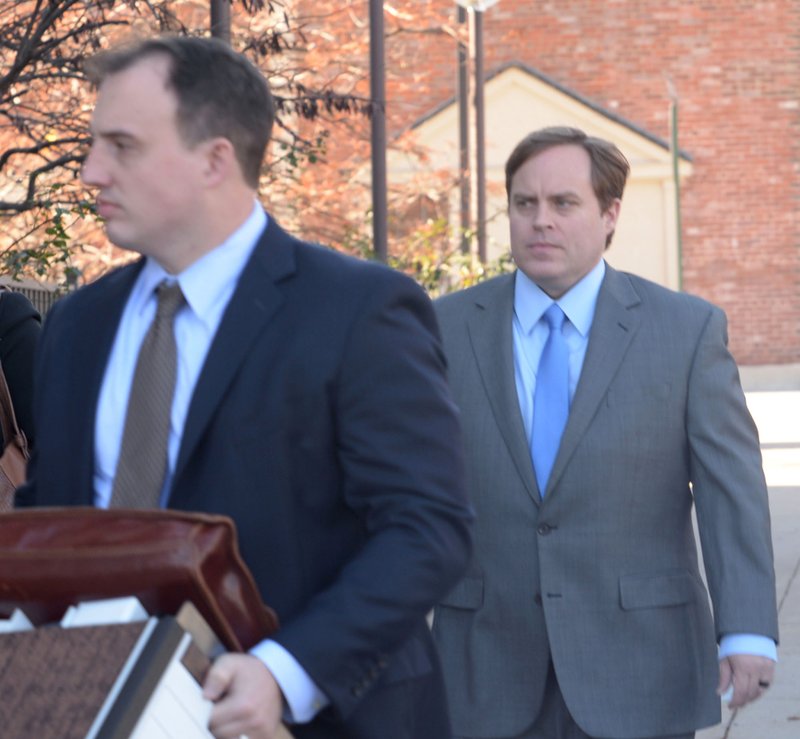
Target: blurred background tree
<point x="318" y="70"/>
<point x="48" y="226"/>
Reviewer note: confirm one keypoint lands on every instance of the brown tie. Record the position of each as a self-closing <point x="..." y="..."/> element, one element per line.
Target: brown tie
<point x="143" y="455"/>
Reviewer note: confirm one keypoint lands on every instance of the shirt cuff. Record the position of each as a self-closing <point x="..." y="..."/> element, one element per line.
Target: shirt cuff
<point x="304" y="699"/>
<point x="761" y="646"/>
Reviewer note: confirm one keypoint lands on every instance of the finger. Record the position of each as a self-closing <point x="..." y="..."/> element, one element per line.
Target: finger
<point x="752" y="676"/>
<point x="725" y="675"/>
<point x="741" y="692"/>
<point x="746" y="689"/>
<point x="226" y="720"/>
<point x="251" y="704"/>
<point x="231" y="729"/>
<point x="218" y="680"/>
<point x="767" y="674"/>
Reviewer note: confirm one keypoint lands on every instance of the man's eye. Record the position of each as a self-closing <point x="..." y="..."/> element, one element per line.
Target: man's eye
<point x="121" y="146"/>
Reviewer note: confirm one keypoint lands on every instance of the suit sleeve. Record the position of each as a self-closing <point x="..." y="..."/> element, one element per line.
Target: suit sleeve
<point x="20" y="325"/>
<point x="401" y="469"/>
<point x="730" y="491"/>
<point x="25" y="496"/>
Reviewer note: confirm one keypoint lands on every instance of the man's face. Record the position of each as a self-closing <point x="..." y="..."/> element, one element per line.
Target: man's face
<point x="148" y="180"/>
<point x="558" y="232"/>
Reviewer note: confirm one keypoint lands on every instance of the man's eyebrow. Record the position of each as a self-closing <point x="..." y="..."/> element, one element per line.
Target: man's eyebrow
<point x="111" y="133"/>
<point x="565" y="194"/>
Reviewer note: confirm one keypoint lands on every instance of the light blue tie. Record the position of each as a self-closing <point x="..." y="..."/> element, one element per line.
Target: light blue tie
<point x="550" y="399"/>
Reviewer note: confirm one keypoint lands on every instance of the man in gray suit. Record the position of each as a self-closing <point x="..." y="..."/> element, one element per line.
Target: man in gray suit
<point x="583" y="613"/>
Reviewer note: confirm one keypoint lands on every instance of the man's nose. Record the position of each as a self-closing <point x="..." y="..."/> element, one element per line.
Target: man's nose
<point x="542" y="217"/>
<point x="94" y="173"/>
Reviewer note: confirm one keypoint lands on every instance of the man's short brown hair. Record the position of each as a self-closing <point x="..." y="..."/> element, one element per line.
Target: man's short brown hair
<point x="610" y="168"/>
<point x="219" y="93"/>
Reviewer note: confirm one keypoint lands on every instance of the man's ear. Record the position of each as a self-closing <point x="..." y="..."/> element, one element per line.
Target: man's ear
<point x="219" y="161"/>
<point x="611" y="215"/>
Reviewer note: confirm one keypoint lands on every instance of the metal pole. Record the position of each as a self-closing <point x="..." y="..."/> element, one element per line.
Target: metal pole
<point x="221" y="19"/>
<point x="462" y="94"/>
<point x="677" y="179"/>
<point x="378" y="96"/>
<point x="480" y="136"/>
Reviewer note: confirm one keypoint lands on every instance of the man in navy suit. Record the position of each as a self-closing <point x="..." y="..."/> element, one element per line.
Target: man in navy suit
<point x="310" y="403"/>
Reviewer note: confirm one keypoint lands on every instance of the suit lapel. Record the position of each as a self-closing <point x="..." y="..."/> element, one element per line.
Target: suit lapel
<point x="253" y="303"/>
<point x="614" y="326"/>
<point x="490" y="332"/>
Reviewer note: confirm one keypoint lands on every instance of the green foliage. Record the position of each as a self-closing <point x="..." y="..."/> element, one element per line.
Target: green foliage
<point x="310" y="152"/>
<point x="49" y="245"/>
<point x="427" y="254"/>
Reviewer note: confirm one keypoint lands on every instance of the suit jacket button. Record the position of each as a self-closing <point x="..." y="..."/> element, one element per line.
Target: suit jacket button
<point x="537" y="599"/>
<point x="544" y="529"/>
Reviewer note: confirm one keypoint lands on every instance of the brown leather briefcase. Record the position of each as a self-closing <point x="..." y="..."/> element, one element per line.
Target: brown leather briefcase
<point x="51" y="558"/>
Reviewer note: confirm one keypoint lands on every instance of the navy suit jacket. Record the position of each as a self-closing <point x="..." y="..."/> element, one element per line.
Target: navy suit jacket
<point x="322" y="424"/>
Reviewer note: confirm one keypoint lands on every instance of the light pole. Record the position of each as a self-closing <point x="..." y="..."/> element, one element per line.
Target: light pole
<point x="676" y="178"/>
<point x="476" y="10"/>
<point x="462" y="97"/>
<point x="221" y="19"/>
<point x="378" y="120"/>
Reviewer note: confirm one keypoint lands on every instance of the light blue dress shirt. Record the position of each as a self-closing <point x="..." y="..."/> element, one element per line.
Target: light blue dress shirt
<point x="530" y="334"/>
<point x="207" y="285"/>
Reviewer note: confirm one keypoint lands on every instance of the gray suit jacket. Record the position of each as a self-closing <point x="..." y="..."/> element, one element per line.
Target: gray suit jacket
<point x="602" y="575"/>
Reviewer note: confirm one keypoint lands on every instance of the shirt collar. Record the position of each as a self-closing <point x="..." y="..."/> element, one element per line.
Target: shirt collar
<point x="578" y="303"/>
<point x="208" y="280"/>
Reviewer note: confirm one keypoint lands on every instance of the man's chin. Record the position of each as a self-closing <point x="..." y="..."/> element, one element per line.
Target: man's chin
<point x="120" y="238"/>
<point x="547" y="277"/>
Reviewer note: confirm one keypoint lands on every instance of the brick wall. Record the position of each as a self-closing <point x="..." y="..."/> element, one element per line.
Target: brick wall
<point x="736" y="68"/>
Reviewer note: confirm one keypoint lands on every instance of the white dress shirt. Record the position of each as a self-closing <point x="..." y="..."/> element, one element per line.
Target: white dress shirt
<point x="530" y="335"/>
<point x="207" y="285"/>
